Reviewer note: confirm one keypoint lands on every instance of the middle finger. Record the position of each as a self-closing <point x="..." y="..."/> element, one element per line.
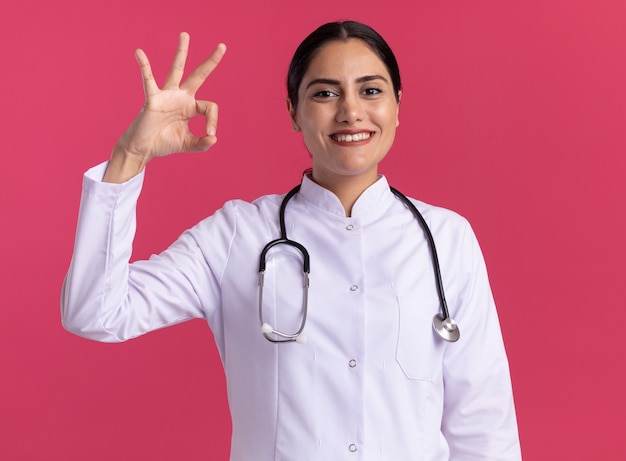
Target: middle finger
<point x="178" y="66"/>
<point x="199" y="75"/>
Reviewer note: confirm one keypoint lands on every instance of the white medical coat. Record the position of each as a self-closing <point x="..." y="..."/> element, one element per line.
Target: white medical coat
<point x="374" y="382"/>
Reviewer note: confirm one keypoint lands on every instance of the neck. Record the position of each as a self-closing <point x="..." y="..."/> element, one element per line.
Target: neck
<point x="347" y="189"/>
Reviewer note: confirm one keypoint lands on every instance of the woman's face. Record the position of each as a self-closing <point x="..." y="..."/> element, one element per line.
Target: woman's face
<point x="347" y="112"/>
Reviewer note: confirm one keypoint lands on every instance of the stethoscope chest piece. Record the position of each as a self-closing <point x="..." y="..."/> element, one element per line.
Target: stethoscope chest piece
<point x="446" y="328"/>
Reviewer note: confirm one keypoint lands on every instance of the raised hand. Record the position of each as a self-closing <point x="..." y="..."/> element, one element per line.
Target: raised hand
<point x="162" y="126"/>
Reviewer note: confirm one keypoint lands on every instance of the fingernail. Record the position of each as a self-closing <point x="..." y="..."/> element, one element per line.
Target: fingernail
<point x="211" y="131"/>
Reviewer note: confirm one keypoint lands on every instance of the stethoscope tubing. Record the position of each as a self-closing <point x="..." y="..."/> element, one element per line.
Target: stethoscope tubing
<point x="443" y="324"/>
<point x="433" y="249"/>
<point x="267" y="329"/>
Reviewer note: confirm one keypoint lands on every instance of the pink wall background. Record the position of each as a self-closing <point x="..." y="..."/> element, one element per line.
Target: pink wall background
<point x="514" y="114"/>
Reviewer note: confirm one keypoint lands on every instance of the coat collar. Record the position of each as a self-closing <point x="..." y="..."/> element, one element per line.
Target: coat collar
<point x="375" y="199"/>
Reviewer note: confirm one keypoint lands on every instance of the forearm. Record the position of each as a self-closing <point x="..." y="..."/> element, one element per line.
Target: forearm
<point x="97" y="279"/>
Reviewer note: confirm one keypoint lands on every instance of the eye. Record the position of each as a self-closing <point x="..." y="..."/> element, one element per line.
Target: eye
<point x="324" y="94"/>
<point x="372" y="91"/>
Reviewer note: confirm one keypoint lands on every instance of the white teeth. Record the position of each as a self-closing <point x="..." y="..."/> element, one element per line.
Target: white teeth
<point x="351" y="137"/>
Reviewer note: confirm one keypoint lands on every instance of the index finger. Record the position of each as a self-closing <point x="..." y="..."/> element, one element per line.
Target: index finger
<point x="199" y="75"/>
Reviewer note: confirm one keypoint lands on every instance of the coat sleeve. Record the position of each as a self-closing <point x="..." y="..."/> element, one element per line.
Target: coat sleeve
<point x="105" y="298"/>
<point x="479" y="418"/>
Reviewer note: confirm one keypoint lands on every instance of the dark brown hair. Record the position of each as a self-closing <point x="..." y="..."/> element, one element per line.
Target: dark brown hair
<point x="339" y="31"/>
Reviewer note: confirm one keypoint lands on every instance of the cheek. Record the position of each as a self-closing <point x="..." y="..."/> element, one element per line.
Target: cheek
<point x="390" y="116"/>
<point x="309" y="130"/>
<point x="311" y="122"/>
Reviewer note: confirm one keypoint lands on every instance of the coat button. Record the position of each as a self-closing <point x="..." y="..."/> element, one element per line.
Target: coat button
<point x="354" y="287"/>
<point x="349" y="227"/>
<point x="352" y="447"/>
<point x="352" y="363"/>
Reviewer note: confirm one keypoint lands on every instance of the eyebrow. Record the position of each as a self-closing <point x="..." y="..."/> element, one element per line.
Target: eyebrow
<point x="330" y="81"/>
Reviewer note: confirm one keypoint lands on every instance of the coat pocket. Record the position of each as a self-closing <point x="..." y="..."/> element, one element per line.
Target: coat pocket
<point x="420" y="349"/>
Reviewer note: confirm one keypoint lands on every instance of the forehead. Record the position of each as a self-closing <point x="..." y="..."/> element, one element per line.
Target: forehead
<point x="345" y="60"/>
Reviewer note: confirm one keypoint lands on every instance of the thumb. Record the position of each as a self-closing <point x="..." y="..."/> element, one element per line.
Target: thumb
<point x="199" y="144"/>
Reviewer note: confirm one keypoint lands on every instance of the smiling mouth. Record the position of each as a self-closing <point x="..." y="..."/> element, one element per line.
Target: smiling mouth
<point x="351" y="137"/>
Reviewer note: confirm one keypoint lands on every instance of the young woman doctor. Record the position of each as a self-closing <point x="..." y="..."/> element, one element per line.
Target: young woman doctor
<point x="373" y="380"/>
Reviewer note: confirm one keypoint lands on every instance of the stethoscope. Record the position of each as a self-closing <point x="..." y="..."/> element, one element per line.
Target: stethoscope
<point x="443" y="324"/>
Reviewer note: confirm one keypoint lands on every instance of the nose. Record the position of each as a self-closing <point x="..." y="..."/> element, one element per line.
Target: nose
<point x="350" y="109"/>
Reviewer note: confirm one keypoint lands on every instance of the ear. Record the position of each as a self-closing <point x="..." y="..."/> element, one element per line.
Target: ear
<point x="292" y="114"/>
<point x="398" y="108"/>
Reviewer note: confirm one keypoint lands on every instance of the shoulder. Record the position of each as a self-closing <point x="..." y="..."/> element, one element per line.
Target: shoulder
<point x="262" y="206"/>
<point x="439" y="217"/>
<point x="238" y="215"/>
<point x="451" y="230"/>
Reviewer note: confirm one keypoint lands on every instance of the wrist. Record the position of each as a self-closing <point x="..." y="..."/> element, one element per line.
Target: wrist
<point x="123" y="165"/>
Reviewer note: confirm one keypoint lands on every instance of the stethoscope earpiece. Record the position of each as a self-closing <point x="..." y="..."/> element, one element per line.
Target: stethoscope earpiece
<point x="446" y="328"/>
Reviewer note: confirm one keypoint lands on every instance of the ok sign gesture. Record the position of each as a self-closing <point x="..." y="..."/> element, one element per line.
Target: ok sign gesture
<point x="162" y="126"/>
